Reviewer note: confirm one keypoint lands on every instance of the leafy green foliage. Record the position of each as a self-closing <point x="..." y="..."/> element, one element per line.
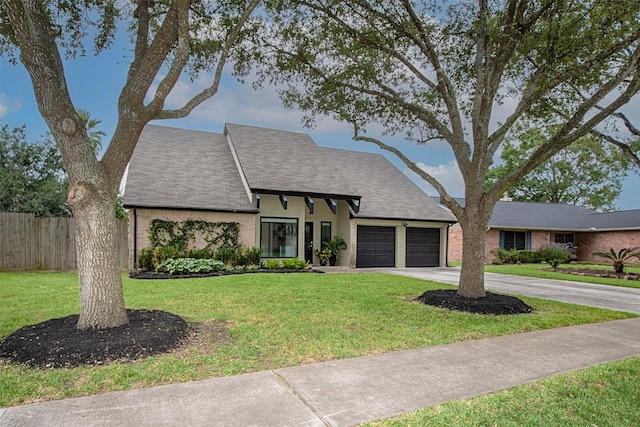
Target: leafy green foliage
<point x="32" y="175"/>
<point x="513" y="256"/>
<point x="335" y="245"/>
<point x="620" y="257"/>
<point x="145" y="259"/>
<point x="294" y="264"/>
<point x="190" y="265"/>
<point x="273" y="264"/>
<point x="554" y="254"/>
<point x="588" y="173"/>
<point x="215" y="234"/>
<point x="95" y="136"/>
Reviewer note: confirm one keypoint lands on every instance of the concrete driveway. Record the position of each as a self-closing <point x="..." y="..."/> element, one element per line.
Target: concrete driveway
<point x="611" y="297"/>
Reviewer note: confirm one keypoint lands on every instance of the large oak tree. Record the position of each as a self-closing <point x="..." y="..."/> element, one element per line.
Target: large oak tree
<point x="168" y="39"/>
<point x="442" y="70"/>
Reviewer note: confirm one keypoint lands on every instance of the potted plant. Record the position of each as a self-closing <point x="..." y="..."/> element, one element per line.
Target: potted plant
<point x="334" y="245"/>
<point x="323" y="255"/>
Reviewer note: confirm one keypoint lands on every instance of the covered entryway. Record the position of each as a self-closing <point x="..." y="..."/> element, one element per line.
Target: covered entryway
<point x="423" y="247"/>
<point x="376" y="246"/>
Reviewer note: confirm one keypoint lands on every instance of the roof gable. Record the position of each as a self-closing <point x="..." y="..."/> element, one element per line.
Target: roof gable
<point x="184" y="169"/>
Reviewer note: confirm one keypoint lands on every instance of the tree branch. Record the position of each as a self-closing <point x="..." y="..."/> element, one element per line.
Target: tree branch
<point x="231" y="40"/>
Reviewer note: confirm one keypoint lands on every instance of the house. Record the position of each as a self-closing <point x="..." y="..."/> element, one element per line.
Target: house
<point x="526" y="225"/>
<point x="287" y="194"/>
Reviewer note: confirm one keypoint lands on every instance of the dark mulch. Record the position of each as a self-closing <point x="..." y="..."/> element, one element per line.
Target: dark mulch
<point x="58" y="343"/>
<point x="595" y="273"/>
<point x="491" y="304"/>
<point x="143" y="274"/>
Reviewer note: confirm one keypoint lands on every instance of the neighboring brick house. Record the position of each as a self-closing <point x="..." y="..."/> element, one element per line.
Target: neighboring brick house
<point x="525" y="225"/>
<point x="287" y="193"/>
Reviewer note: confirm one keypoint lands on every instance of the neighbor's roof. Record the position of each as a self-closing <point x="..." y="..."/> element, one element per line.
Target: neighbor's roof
<point x="560" y="217"/>
<point x="184" y="169"/>
<point x="196" y="170"/>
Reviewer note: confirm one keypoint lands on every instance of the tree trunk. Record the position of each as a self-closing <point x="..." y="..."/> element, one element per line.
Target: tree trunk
<point x="473" y="257"/>
<point x="99" y="273"/>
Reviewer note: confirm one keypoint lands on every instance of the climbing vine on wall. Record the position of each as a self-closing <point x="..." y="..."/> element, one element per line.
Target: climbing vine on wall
<point x="182" y="235"/>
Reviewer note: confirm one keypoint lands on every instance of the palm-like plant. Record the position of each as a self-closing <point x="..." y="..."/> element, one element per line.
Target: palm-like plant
<point x="620" y="257"/>
<point x="95" y="136"/>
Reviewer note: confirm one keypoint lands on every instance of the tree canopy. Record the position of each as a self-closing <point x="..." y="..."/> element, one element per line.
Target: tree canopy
<point x="463" y="72"/>
<point x="587" y="173"/>
<point x="32" y="175"/>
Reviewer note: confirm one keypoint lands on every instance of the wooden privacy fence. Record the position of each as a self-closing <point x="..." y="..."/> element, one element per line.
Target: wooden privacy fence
<point x="28" y="242"/>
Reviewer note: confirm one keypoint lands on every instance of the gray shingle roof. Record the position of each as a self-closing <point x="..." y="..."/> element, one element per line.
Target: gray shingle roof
<point x="553" y="216"/>
<point x="559" y="217"/>
<point x="286" y="161"/>
<point x="195" y="170"/>
<point x="177" y="168"/>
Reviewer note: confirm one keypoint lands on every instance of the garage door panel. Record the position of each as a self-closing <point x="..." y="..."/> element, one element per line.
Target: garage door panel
<point x="423" y="247"/>
<point x="376" y="247"/>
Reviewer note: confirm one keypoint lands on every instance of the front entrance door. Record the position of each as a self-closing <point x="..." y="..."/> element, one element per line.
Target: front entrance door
<point x="308" y="242"/>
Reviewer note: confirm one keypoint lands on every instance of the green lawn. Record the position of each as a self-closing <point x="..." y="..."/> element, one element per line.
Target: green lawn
<point x="538" y="270"/>
<point x="254" y="322"/>
<point x="605" y="395"/>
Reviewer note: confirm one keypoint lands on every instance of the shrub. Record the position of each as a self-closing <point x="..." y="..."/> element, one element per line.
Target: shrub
<point x="163" y="253"/>
<point x="528" y="257"/>
<point x="294" y="264"/>
<point x="205" y="253"/>
<point x="620" y="257"/>
<point x="554" y="254"/>
<point x="253" y="256"/>
<point x="273" y="264"/>
<point x="190" y="266"/>
<point x="145" y="259"/>
<point x="226" y="254"/>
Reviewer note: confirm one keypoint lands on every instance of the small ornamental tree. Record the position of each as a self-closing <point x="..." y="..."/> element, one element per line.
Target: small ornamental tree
<point x="620" y="257"/>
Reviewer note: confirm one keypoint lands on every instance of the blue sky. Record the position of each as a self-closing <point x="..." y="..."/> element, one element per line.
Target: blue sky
<point x="95" y="84"/>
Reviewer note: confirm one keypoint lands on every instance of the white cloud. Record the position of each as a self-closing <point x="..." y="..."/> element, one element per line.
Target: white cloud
<point x="8" y="105"/>
<point x="447" y="174"/>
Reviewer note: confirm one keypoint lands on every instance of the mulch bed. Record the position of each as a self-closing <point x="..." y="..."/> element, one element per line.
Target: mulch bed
<point x="57" y="343"/>
<point x="595" y="273"/>
<point x="143" y="274"/>
<point x="491" y="304"/>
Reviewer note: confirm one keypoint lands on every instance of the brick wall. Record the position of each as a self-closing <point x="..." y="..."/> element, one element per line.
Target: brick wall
<point x="602" y="241"/>
<point x="587" y="243"/>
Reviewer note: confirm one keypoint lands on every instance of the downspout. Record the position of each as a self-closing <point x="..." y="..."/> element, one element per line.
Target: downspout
<point x="446" y="252"/>
<point x="135" y="239"/>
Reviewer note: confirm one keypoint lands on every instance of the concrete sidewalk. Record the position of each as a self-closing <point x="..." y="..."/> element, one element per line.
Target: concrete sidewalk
<point x="347" y="392"/>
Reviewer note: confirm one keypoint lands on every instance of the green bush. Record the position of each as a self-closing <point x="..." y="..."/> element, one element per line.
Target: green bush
<point x="554" y="254"/>
<point x="205" y="253"/>
<point x="294" y="264"/>
<point x="145" y="259"/>
<point x="253" y="256"/>
<point x="163" y="253"/>
<point x="513" y="256"/>
<point x="528" y="257"/>
<point x="226" y="254"/>
<point x="190" y="265"/>
<point x="273" y="264"/>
